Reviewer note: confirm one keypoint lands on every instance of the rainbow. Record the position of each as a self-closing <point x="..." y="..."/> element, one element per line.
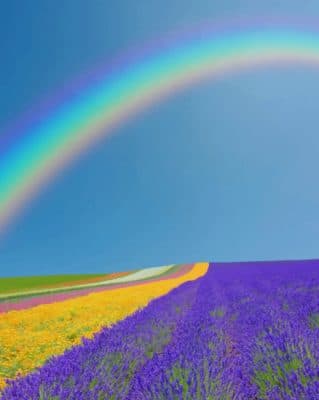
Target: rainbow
<point x="38" y="153"/>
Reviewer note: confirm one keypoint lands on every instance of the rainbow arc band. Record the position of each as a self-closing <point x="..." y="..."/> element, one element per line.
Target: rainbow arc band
<point x="72" y="128"/>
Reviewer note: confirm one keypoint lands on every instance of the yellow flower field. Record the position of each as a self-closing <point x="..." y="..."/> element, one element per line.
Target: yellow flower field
<point x="29" y="337"/>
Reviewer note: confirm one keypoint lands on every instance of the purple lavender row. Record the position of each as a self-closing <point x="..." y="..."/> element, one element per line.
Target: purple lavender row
<point x="253" y="333"/>
<point x="193" y="364"/>
<point x="103" y="367"/>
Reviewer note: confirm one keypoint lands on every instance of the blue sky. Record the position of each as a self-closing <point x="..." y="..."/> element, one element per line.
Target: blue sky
<point x="225" y="171"/>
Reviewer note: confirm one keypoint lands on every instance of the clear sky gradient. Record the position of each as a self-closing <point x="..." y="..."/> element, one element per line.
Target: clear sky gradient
<point x="225" y="171"/>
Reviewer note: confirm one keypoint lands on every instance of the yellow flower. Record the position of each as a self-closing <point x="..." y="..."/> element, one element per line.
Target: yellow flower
<point x="29" y="337"/>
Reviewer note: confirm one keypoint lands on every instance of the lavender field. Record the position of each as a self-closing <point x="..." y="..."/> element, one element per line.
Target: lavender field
<point x="243" y="331"/>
